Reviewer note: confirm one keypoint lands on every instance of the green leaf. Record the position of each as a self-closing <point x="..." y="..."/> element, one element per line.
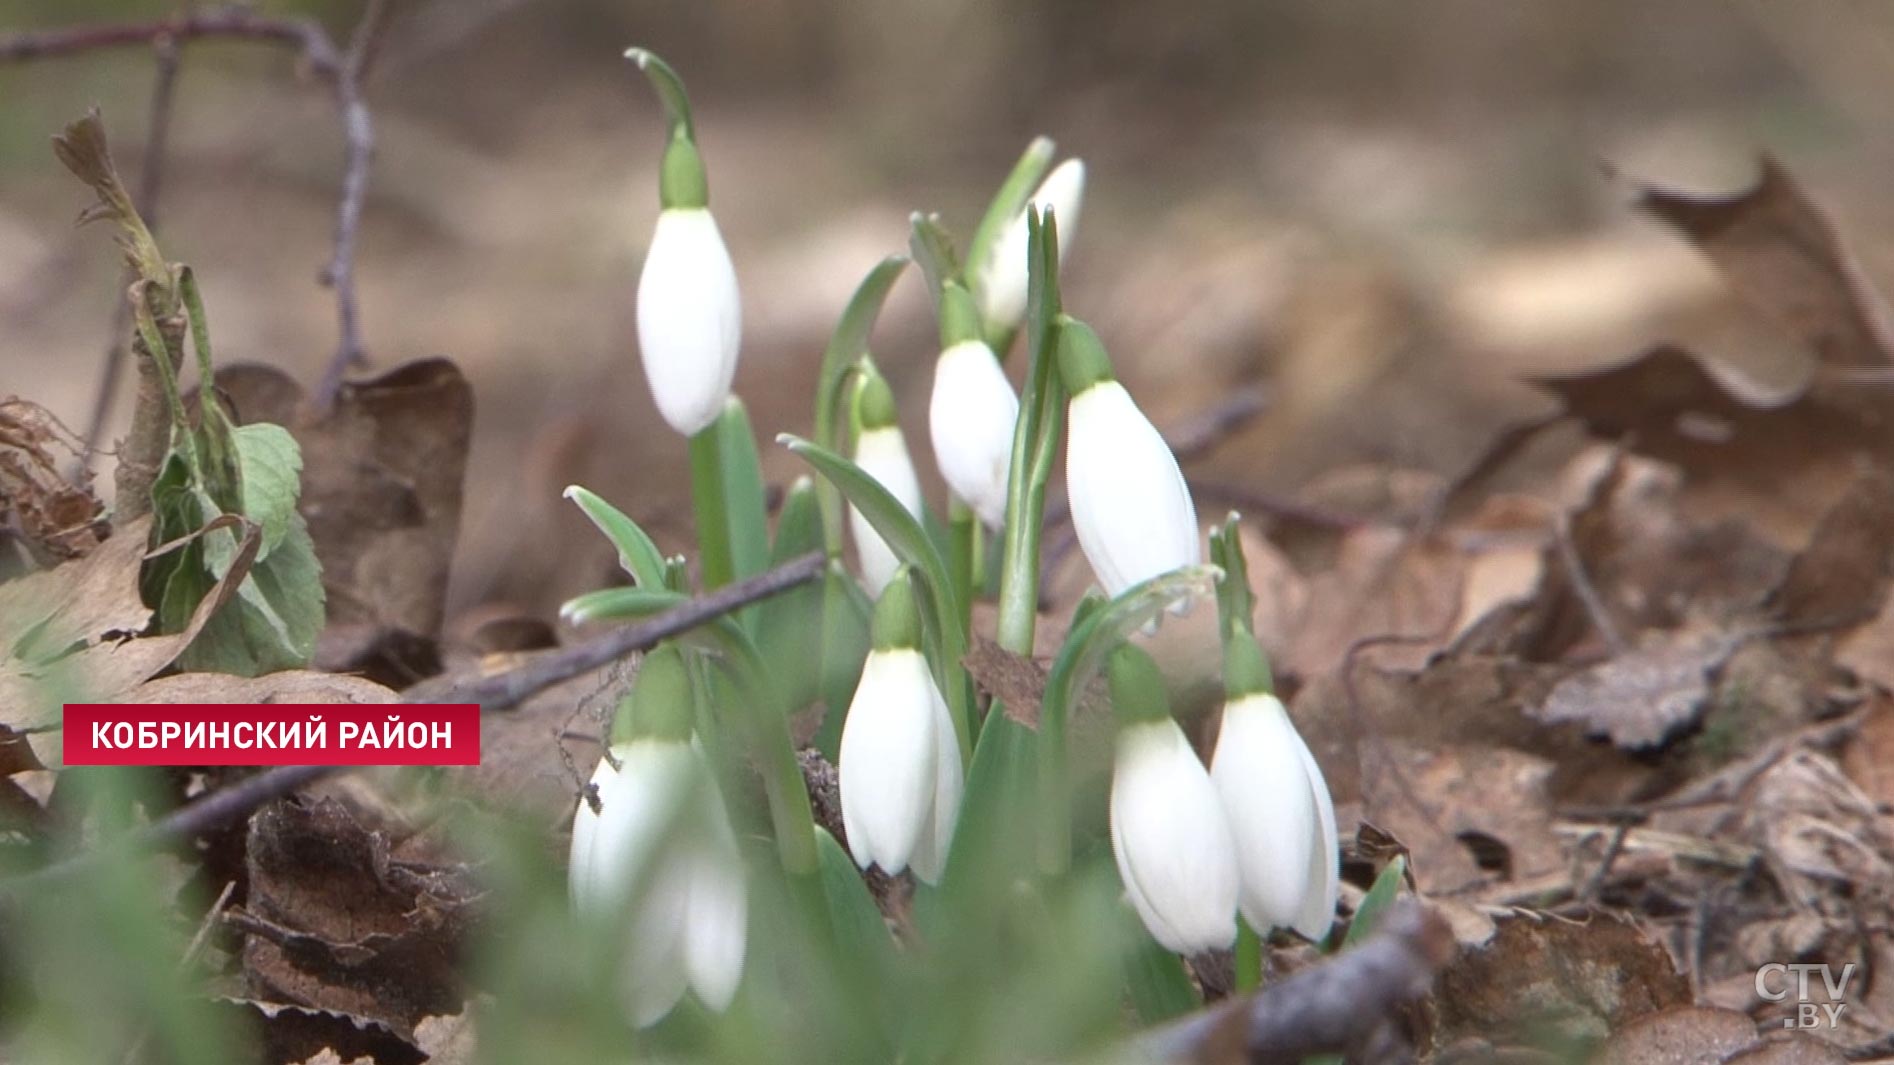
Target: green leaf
<point x="638" y="554"/>
<point x="1036" y="438"/>
<point x="992" y="845"/>
<point x="273" y="621"/>
<point x="789" y="624"/>
<point x="848" y="343"/>
<point x="1236" y="605"/>
<point x="1078" y="661"/>
<point x="1160" y="988"/>
<point x="846" y="617"/>
<point x="861" y="935"/>
<point x="911" y="545"/>
<point x="271" y="465"/>
<point x="1006" y="205"/>
<point x="727" y="491"/>
<point x="933" y="248"/>
<point x="1374" y="905"/>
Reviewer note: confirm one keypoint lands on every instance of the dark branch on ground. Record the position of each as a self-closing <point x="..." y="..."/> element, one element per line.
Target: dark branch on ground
<point x="1348" y="1004"/>
<point x="500" y="692"/>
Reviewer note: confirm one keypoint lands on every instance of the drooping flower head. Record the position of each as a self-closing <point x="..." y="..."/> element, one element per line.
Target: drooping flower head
<point x="971" y="415"/>
<point x="900" y="769"/>
<point x="690" y="317"/>
<point x="882" y="453"/>
<point x="657" y="861"/>
<point x="1168" y="834"/>
<point x="1276" y="801"/>
<point x="1131" y="509"/>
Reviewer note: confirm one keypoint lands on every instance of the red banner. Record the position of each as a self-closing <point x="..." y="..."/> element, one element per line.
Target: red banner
<point x="272" y="734"/>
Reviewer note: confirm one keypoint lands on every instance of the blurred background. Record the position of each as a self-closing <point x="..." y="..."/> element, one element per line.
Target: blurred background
<point x="1382" y="214"/>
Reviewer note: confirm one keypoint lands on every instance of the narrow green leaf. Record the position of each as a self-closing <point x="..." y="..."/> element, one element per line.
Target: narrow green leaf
<point x="638" y="554"/>
<point x="911" y="545"/>
<point x="1236" y="605"/>
<point x="1078" y="661"/>
<point x="992" y="845"/>
<point x="746" y="501"/>
<point x="789" y="625"/>
<point x="1160" y="988"/>
<point x="846" y="344"/>
<point x="1386" y="888"/>
<point x="1036" y="437"/>
<point x="1006" y="205"/>
<point x="846" y="615"/>
<point x="861" y="935"/>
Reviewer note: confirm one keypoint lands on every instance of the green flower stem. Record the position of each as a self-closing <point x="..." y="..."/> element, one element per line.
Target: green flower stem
<point x="963" y="562"/>
<point x="713" y="520"/>
<point x="1249" y="957"/>
<point x="1035" y="444"/>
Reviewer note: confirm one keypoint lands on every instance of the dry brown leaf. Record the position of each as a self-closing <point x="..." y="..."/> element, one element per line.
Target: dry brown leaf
<point x="382" y="480"/>
<point x="1540" y="975"/>
<point x="1819" y="826"/>
<point x="285" y="1034"/>
<point x="1843" y="575"/>
<point x="78" y="603"/>
<point x="57" y="518"/>
<point x="1644" y="696"/>
<point x="448" y="1039"/>
<point x="1681" y="1035"/>
<point x="1781" y="254"/>
<point x="332" y="921"/>
<point x="1469" y="815"/>
<point x="288" y="686"/>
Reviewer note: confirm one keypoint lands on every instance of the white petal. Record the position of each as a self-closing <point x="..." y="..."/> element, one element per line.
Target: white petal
<point x="1172" y="846"/>
<point x="970" y="420"/>
<point x="690" y="319"/>
<point x="883" y="455"/>
<point x="931" y="850"/>
<point x="639" y="809"/>
<point x="1003" y="279"/>
<point x="1325" y="865"/>
<point x="579" y="875"/>
<point x="717" y="925"/>
<point x="1130" y="506"/>
<point x="1264" y="787"/>
<point x="886" y="766"/>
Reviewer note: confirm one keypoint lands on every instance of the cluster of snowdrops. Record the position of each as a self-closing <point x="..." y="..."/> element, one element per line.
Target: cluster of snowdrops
<point x="1243" y="847"/>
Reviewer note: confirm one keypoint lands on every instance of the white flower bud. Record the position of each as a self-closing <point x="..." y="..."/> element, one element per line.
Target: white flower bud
<point x="690" y="319"/>
<point x="899" y="767"/>
<point x="1130" y="506"/>
<point x="1168" y="834"/>
<point x="882" y="454"/>
<point x="1280" y="813"/>
<point x="970" y="419"/>
<point x="1001" y="288"/>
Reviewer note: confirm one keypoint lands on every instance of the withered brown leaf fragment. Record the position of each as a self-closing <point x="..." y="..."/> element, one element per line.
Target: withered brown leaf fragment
<point x="382" y="482"/>
<point x="1647" y="694"/>
<point x="1784" y="258"/>
<point x="55" y="518"/>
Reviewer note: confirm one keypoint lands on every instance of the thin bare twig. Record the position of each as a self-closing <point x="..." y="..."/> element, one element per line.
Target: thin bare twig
<point x="1587" y="592"/>
<point x="150" y="180"/>
<point x="344" y="71"/>
<point x="358" y="130"/>
<point x="1345" y="1004"/>
<point x="500" y="692"/>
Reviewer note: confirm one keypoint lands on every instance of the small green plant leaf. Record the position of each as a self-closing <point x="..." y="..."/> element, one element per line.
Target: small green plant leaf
<point x="848" y="343"/>
<point x="271" y="465"/>
<point x="992" y="849"/>
<point x="846" y="615"/>
<point x="789" y="625"/>
<point x="1374" y="905"/>
<point x="1160" y="988"/>
<point x="638" y="554"/>
<point x="278" y="611"/>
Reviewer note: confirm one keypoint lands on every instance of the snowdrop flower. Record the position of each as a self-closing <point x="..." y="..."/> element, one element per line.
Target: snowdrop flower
<point x="900" y="759"/>
<point x="1277" y="804"/>
<point x="657" y="861"/>
<point x="1001" y="283"/>
<point x="882" y="453"/>
<point x="690" y="318"/>
<point x="972" y="412"/>
<point x="1174" y="850"/>
<point x="1130" y="506"/>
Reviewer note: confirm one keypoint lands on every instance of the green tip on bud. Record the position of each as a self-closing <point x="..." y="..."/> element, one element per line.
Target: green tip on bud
<point x="1245" y="670"/>
<point x="897" y="623"/>
<point x="1082" y="359"/>
<point x="682" y="183"/>
<point x="959" y="315"/>
<point x="1137" y="687"/>
<point x="661" y="698"/>
<point x="874" y="401"/>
